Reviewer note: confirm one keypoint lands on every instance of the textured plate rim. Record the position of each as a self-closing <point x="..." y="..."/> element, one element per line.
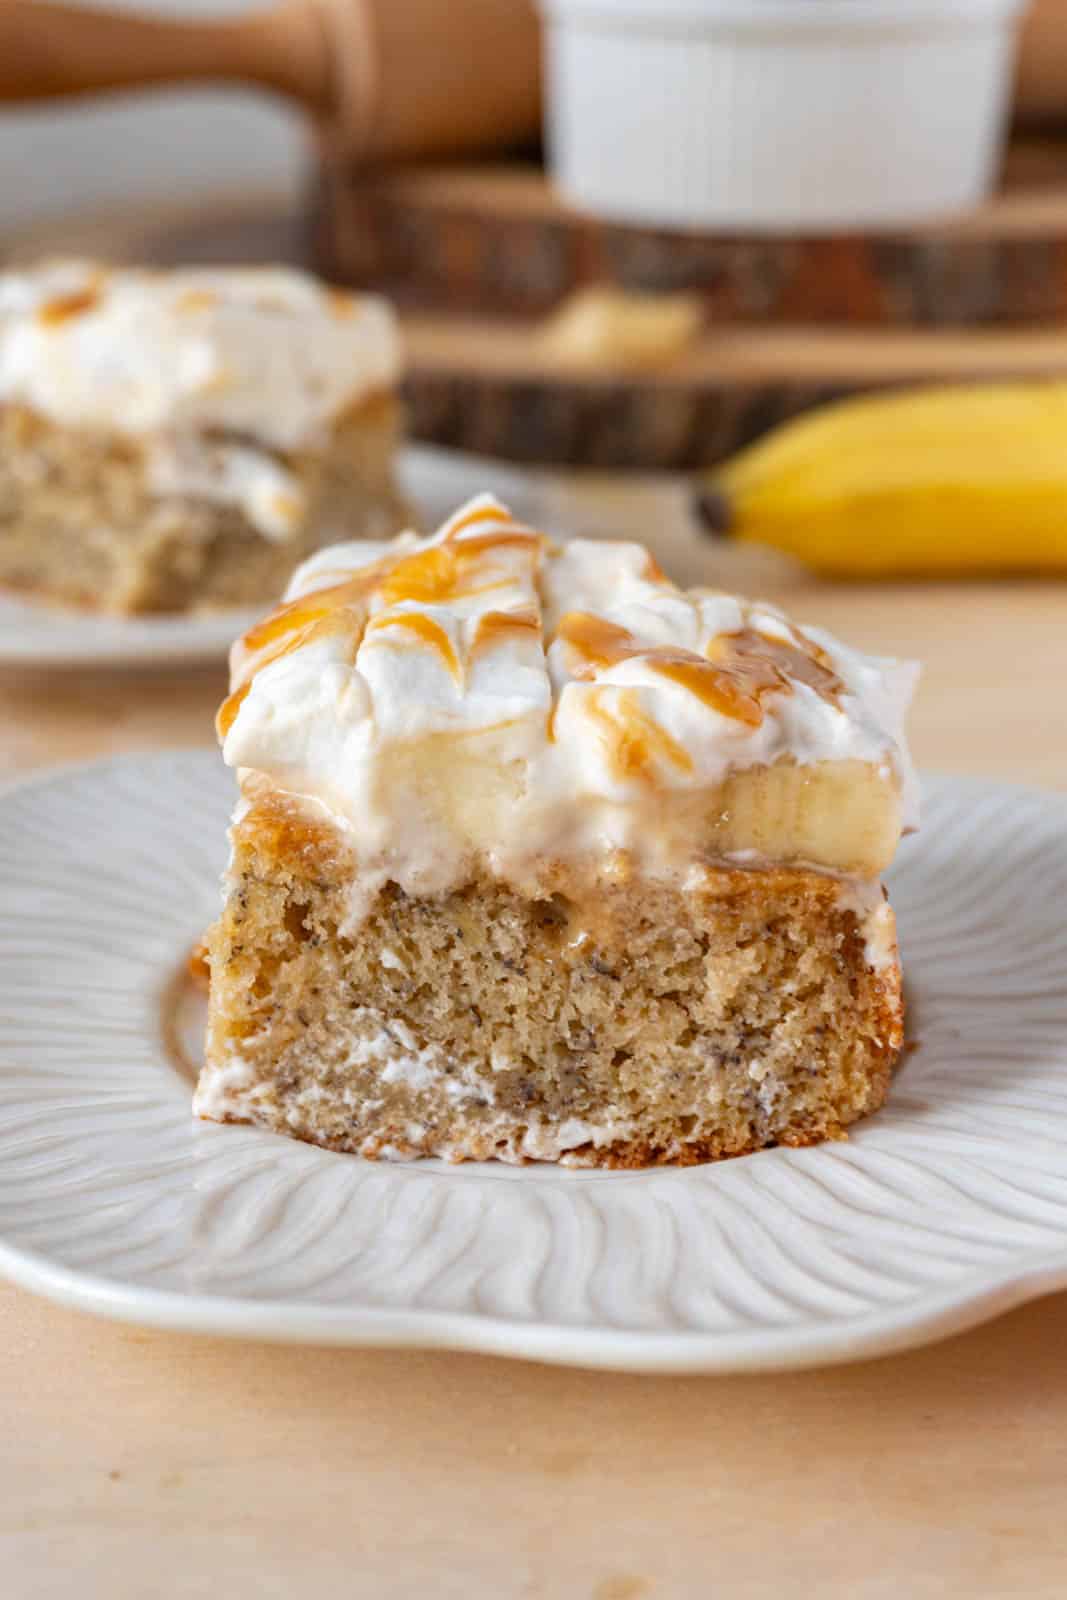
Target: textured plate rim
<point x="974" y="1298"/>
<point x="878" y="1333"/>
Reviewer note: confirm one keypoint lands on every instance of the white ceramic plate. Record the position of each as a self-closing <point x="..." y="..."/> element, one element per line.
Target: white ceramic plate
<point x="943" y="1209"/>
<point x="33" y="634"/>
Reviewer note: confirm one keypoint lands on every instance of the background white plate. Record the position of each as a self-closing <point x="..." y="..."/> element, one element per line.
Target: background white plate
<point x="33" y="634"/>
<point x="946" y="1207"/>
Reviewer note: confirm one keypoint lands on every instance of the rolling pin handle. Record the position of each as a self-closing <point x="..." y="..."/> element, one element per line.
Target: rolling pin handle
<point x="49" y="50"/>
<point x="386" y="79"/>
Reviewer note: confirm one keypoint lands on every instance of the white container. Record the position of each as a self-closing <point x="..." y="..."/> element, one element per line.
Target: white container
<point x="777" y="114"/>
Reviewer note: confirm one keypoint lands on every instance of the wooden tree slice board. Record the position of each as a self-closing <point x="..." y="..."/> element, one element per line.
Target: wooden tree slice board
<point x="492" y="385"/>
<point x="491" y="388"/>
<point x="498" y="240"/>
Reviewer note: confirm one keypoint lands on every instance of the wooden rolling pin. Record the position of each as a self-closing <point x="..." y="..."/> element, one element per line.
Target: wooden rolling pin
<point x="1041" y="85"/>
<point x="390" y="79"/>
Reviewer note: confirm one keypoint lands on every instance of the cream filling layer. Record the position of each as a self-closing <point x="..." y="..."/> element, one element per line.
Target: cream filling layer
<point x="437" y="700"/>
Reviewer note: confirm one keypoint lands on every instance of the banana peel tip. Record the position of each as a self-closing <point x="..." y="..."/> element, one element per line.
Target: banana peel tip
<point x="714" y="513"/>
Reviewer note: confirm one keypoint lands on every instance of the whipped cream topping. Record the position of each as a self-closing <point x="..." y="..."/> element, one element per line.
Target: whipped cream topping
<point x="268" y="355"/>
<point x="486" y="692"/>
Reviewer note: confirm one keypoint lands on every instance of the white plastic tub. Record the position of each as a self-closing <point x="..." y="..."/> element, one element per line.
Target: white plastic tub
<point x="777" y="114"/>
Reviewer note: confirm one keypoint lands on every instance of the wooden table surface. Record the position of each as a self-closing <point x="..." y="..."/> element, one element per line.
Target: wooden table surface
<point x="138" y="1464"/>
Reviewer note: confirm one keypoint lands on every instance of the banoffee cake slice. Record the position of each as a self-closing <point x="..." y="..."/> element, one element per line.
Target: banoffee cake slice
<point x="538" y="856"/>
<point x="178" y="440"/>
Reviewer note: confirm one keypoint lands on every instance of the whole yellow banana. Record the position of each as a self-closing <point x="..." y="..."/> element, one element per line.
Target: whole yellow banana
<point x="922" y="482"/>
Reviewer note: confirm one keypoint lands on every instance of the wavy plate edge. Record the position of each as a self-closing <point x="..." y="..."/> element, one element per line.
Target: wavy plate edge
<point x="970" y="1305"/>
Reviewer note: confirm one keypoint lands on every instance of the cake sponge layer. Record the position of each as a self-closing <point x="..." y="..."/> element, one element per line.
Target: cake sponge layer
<point x="613" y="1023"/>
<point x="83" y="522"/>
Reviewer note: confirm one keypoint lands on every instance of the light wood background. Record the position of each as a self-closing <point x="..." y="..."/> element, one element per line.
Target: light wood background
<point x="136" y="1465"/>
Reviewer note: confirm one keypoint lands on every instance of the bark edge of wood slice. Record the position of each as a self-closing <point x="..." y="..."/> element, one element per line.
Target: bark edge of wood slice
<point x="496" y="238"/>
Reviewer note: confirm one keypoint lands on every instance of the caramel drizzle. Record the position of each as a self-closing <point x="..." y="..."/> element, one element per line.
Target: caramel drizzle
<point x="65" y="306"/>
<point x="804" y="662"/>
<point x="321" y="625"/>
<point x="425" y="629"/>
<point x="440" y="573"/>
<point x="494" y="625"/>
<point x="197" y="300"/>
<point x="739" y="670"/>
<point x="493" y="512"/>
<point x="635" y="740"/>
<point x="227" y="712"/>
<point x="432" y="575"/>
<point x="341" y="304"/>
<point x="400" y="578"/>
<point x="295" y="615"/>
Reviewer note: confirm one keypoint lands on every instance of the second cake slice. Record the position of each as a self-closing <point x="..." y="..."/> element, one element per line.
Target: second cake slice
<point x="175" y="440"/>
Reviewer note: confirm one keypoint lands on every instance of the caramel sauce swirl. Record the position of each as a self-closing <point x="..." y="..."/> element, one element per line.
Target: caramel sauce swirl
<point x="193" y="300"/>
<point x="427" y="631"/>
<point x="65" y="306"/>
<point x="318" y="625"/>
<point x="494" y="625"/>
<point x="457" y="567"/>
<point x="634" y="739"/>
<point x="795" y="663"/>
<point x="295" y="615"/>
<point x="739" y="670"/>
<point x="444" y="573"/>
